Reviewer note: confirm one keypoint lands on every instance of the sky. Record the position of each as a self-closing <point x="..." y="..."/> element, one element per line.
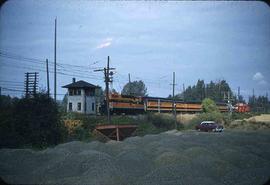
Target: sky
<point x="209" y="40"/>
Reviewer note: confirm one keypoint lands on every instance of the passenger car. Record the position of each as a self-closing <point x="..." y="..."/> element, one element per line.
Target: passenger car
<point x="209" y="126"/>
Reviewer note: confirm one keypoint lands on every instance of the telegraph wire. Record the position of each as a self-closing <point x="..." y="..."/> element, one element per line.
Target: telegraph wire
<point x="59" y="70"/>
<point x="7" y="81"/>
<point x="62" y="65"/>
<point x="40" y="61"/>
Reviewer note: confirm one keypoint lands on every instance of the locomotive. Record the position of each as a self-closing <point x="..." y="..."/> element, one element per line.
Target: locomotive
<point x="126" y="104"/>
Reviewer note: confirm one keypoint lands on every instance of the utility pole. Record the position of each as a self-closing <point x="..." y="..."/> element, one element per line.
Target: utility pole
<point x="173" y="102"/>
<point x="253" y="96"/>
<point x="238" y="94"/>
<point x="205" y="90"/>
<point x="55" y="24"/>
<point x="229" y="104"/>
<point x="253" y="100"/>
<point x="27" y="85"/>
<point x="219" y="90"/>
<point x="31" y="81"/>
<point x="35" y="83"/>
<point x="184" y="92"/>
<point x="107" y="75"/>
<point x="267" y="101"/>
<point x="129" y="85"/>
<point x="48" y="79"/>
<point x="107" y="80"/>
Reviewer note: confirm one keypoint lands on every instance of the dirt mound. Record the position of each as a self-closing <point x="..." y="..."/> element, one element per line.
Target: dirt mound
<point x="261" y="118"/>
<point x="168" y="158"/>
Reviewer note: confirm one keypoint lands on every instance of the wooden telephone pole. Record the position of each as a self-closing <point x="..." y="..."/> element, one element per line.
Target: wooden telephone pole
<point x="31" y="82"/>
<point x="48" y="79"/>
<point x="238" y="94"/>
<point x="107" y="74"/>
<point x="55" y="24"/>
<point x="173" y="102"/>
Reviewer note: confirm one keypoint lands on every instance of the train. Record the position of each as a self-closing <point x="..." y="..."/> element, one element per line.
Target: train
<point x="126" y="104"/>
<point x="241" y="108"/>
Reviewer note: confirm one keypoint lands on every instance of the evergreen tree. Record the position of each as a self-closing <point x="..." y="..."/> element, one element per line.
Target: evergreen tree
<point x="212" y="90"/>
<point x="135" y="88"/>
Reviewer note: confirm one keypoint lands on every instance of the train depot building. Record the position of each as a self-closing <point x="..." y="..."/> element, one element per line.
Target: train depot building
<point x="82" y="97"/>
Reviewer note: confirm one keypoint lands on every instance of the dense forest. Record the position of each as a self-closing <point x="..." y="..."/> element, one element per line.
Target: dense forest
<point x="221" y="92"/>
<point x="259" y="104"/>
<point x="218" y="91"/>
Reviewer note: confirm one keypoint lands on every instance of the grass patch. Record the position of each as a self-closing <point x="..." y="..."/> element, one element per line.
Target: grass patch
<point x="150" y="123"/>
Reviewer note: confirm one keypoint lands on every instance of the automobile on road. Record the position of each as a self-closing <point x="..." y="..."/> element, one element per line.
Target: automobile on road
<point x="209" y="126"/>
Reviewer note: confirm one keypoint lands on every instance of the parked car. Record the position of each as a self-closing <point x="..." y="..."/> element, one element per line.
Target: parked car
<point x="209" y="126"/>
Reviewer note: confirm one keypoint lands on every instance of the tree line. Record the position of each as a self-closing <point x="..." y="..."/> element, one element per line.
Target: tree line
<point x="259" y="104"/>
<point x="219" y="91"/>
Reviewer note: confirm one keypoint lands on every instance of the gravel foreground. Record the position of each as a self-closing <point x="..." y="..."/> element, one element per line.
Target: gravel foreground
<point x="170" y="158"/>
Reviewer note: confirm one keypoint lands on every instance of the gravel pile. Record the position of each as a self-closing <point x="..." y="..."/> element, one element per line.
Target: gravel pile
<point x="169" y="158"/>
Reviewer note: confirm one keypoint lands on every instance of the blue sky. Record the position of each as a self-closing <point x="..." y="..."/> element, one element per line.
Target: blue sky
<point x="198" y="40"/>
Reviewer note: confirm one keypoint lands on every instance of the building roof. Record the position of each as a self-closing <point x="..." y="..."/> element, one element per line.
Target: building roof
<point x="80" y="84"/>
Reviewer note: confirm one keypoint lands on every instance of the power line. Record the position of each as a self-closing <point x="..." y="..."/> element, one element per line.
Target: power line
<point x="41" y="68"/>
<point x="10" y="81"/>
<point x="40" y="61"/>
<point x="8" y="89"/>
<point x="59" y="72"/>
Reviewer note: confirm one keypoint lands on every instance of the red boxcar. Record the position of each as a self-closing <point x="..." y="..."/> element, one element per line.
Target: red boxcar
<point x="242" y="107"/>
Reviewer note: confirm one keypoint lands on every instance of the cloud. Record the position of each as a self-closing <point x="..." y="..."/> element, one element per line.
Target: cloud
<point x="106" y="43"/>
<point x="258" y="76"/>
<point x="263" y="82"/>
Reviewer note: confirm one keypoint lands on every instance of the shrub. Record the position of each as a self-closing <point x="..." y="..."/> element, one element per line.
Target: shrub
<point x="163" y="121"/>
<point x="236" y="115"/>
<point x="209" y="106"/>
<point x="32" y="122"/>
<point x="145" y="128"/>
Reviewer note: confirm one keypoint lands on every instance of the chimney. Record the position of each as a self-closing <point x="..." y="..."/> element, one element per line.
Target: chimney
<point x="73" y="80"/>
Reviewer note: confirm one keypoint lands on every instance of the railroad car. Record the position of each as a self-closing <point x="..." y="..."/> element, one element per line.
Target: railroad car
<point x="166" y="105"/>
<point x="135" y="105"/>
<point x="241" y="107"/>
<point x="125" y="104"/>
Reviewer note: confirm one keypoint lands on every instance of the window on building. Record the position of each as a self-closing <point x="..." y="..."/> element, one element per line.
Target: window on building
<point x="93" y="106"/>
<point x="92" y="93"/>
<point x="70" y="106"/>
<point x="70" y="92"/>
<point x="79" y="106"/>
<point x="79" y="92"/>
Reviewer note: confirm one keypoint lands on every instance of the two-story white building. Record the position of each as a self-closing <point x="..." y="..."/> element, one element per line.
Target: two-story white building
<point x="81" y="97"/>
